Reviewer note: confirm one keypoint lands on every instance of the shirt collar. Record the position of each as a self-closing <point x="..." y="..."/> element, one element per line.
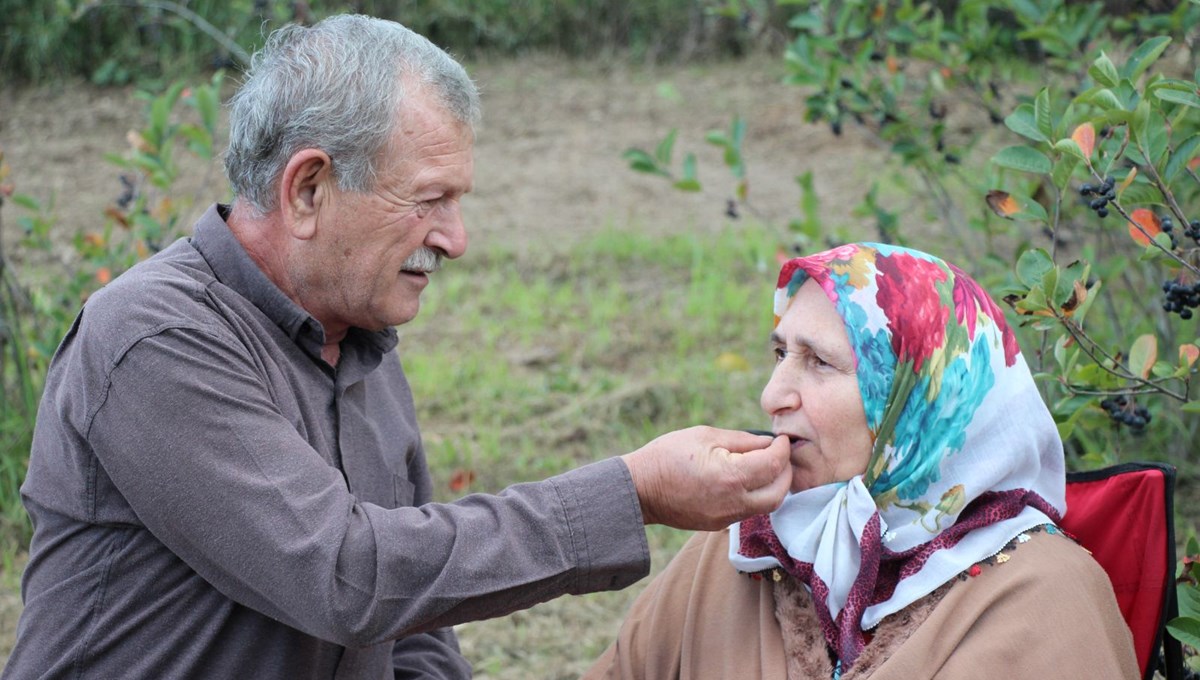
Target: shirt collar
<point x="232" y="266"/>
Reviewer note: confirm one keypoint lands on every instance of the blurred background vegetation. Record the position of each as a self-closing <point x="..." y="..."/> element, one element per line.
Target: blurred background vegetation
<point x="994" y="117"/>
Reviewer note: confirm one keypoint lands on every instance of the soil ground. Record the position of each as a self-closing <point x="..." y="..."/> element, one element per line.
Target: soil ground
<point x="548" y="156"/>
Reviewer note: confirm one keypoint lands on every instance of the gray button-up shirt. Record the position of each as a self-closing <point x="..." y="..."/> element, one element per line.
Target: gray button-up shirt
<point x="212" y="500"/>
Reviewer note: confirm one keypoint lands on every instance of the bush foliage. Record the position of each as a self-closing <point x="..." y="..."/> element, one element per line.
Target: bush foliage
<point x="1086" y="221"/>
<point x="121" y="41"/>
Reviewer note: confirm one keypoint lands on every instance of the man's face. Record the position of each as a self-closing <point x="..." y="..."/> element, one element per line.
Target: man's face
<point x="362" y="272"/>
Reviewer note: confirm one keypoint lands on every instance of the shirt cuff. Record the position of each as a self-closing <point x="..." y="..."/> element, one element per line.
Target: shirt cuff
<point x="604" y="521"/>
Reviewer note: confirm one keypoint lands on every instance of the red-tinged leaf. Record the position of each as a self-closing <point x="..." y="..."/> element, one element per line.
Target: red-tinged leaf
<point x="1002" y="203"/>
<point x="117" y="216"/>
<point x="781" y="256"/>
<point x="461" y="479"/>
<point x="1194" y="164"/>
<point x="1188" y="354"/>
<point x="1145" y="226"/>
<point x="1085" y="137"/>
<point x="1143" y="354"/>
<point x="103" y="275"/>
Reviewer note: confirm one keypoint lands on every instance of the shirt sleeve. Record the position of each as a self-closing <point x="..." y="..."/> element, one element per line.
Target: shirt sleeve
<point x="191" y="438"/>
<point x="429" y="655"/>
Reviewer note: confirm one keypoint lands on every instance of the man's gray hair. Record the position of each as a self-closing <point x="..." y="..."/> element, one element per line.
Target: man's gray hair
<point x="336" y="86"/>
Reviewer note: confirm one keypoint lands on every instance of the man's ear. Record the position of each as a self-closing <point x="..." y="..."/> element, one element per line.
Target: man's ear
<point x="306" y="181"/>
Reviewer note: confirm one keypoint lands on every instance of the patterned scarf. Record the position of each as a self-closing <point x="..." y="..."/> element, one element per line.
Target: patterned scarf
<point x="966" y="455"/>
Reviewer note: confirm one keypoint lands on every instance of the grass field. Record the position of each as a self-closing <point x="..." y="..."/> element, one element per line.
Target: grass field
<point x="524" y="366"/>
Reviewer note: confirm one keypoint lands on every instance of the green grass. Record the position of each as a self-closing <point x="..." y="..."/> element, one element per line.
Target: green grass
<point x="527" y="365"/>
<point x="523" y="366"/>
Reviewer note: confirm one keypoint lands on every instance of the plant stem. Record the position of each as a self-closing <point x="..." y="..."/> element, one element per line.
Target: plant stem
<point x="196" y="20"/>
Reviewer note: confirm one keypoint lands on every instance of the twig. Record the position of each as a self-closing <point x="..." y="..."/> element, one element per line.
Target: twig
<point x="196" y="20"/>
<point x="1086" y="345"/>
<point x="1164" y="189"/>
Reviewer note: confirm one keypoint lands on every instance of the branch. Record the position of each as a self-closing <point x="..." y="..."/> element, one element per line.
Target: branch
<point x="195" y="19"/>
<point x="1086" y="345"/>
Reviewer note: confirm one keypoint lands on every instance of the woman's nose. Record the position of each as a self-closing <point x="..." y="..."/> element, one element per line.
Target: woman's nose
<point x="780" y="394"/>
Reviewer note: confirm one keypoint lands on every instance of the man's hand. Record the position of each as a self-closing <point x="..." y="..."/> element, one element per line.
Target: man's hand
<point x="704" y="479"/>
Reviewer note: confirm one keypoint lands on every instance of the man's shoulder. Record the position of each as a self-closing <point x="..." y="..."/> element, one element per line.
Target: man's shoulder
<point x="165" y="291"/>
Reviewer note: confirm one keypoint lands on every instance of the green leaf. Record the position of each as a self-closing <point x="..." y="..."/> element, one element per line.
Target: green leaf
<point x="1041" y="113"/>
<point x="1143" y="354"/>
<point x="1191" y="407"/>
<point x="716" y="138"/>
<point x="689" y="181"/>
<point x="643" y="162"/>
<point x="663" y="152"/>
<point x="1177" y="97"/>
<point x="206" y="104"/>
<point x="1104" y="72"/>
<point x="1070" y="147"/>
<point x="1082" y="310"/>
<point x="1064" y="168"/>
<point x="1188" y="596"/>
<point x="1050" y="286"/>
<point x="1162" y="369"/>
<point x="1185" y="629"/>
<point x="1158" y="250"/>
<point x="1145" y="55"/>
<point x="1033" y="265"/>
<point x="807" y="22"/>
<point x="1021" y="121"/>
<point x="1105" y="99"/>
<point x="1141" y="122"/>
<point x="1022" y="158"/>
<point x="1183" y="153"/>
<point x="28" y="202"/>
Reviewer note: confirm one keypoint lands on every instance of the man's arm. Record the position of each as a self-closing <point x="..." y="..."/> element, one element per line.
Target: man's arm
<point x="249" y="505"/>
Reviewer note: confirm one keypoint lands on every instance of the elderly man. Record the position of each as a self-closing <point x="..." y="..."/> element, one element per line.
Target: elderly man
<point x="227" y="480"/>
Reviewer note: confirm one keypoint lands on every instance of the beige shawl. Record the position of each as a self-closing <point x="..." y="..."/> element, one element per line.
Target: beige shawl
<point x="1046" y="611"/>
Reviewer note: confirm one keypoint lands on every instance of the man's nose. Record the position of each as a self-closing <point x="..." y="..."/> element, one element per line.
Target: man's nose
<point x="450" y="234"/>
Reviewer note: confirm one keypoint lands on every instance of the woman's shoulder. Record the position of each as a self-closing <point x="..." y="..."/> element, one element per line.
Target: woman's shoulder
<point x="1045" y="555"/>
<point x="1041" y="572"/>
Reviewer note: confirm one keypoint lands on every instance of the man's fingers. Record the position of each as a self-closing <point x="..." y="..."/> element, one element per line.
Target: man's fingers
<point x="738" y="441"/>
<point x="766" y="499"/>
<point x="765" y="466"/>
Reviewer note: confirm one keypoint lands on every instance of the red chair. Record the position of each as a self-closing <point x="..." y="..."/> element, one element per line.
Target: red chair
<point x="1124" y="515"/>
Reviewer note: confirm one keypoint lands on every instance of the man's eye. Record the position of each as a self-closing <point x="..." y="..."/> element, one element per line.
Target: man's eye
<point x="780" y="354"/>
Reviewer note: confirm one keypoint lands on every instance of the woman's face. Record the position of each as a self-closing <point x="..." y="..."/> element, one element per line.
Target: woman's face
<point x="813" y="397"/>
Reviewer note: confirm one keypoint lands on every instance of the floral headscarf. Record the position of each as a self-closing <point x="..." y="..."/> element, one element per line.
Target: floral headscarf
<point x="966" y="455"/>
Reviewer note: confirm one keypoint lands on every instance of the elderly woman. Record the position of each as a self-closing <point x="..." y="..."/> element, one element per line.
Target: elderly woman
<point x="919" y="540"/>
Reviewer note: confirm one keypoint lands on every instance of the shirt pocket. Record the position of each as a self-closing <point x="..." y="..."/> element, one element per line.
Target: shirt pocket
<point x="404" y="491"/>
